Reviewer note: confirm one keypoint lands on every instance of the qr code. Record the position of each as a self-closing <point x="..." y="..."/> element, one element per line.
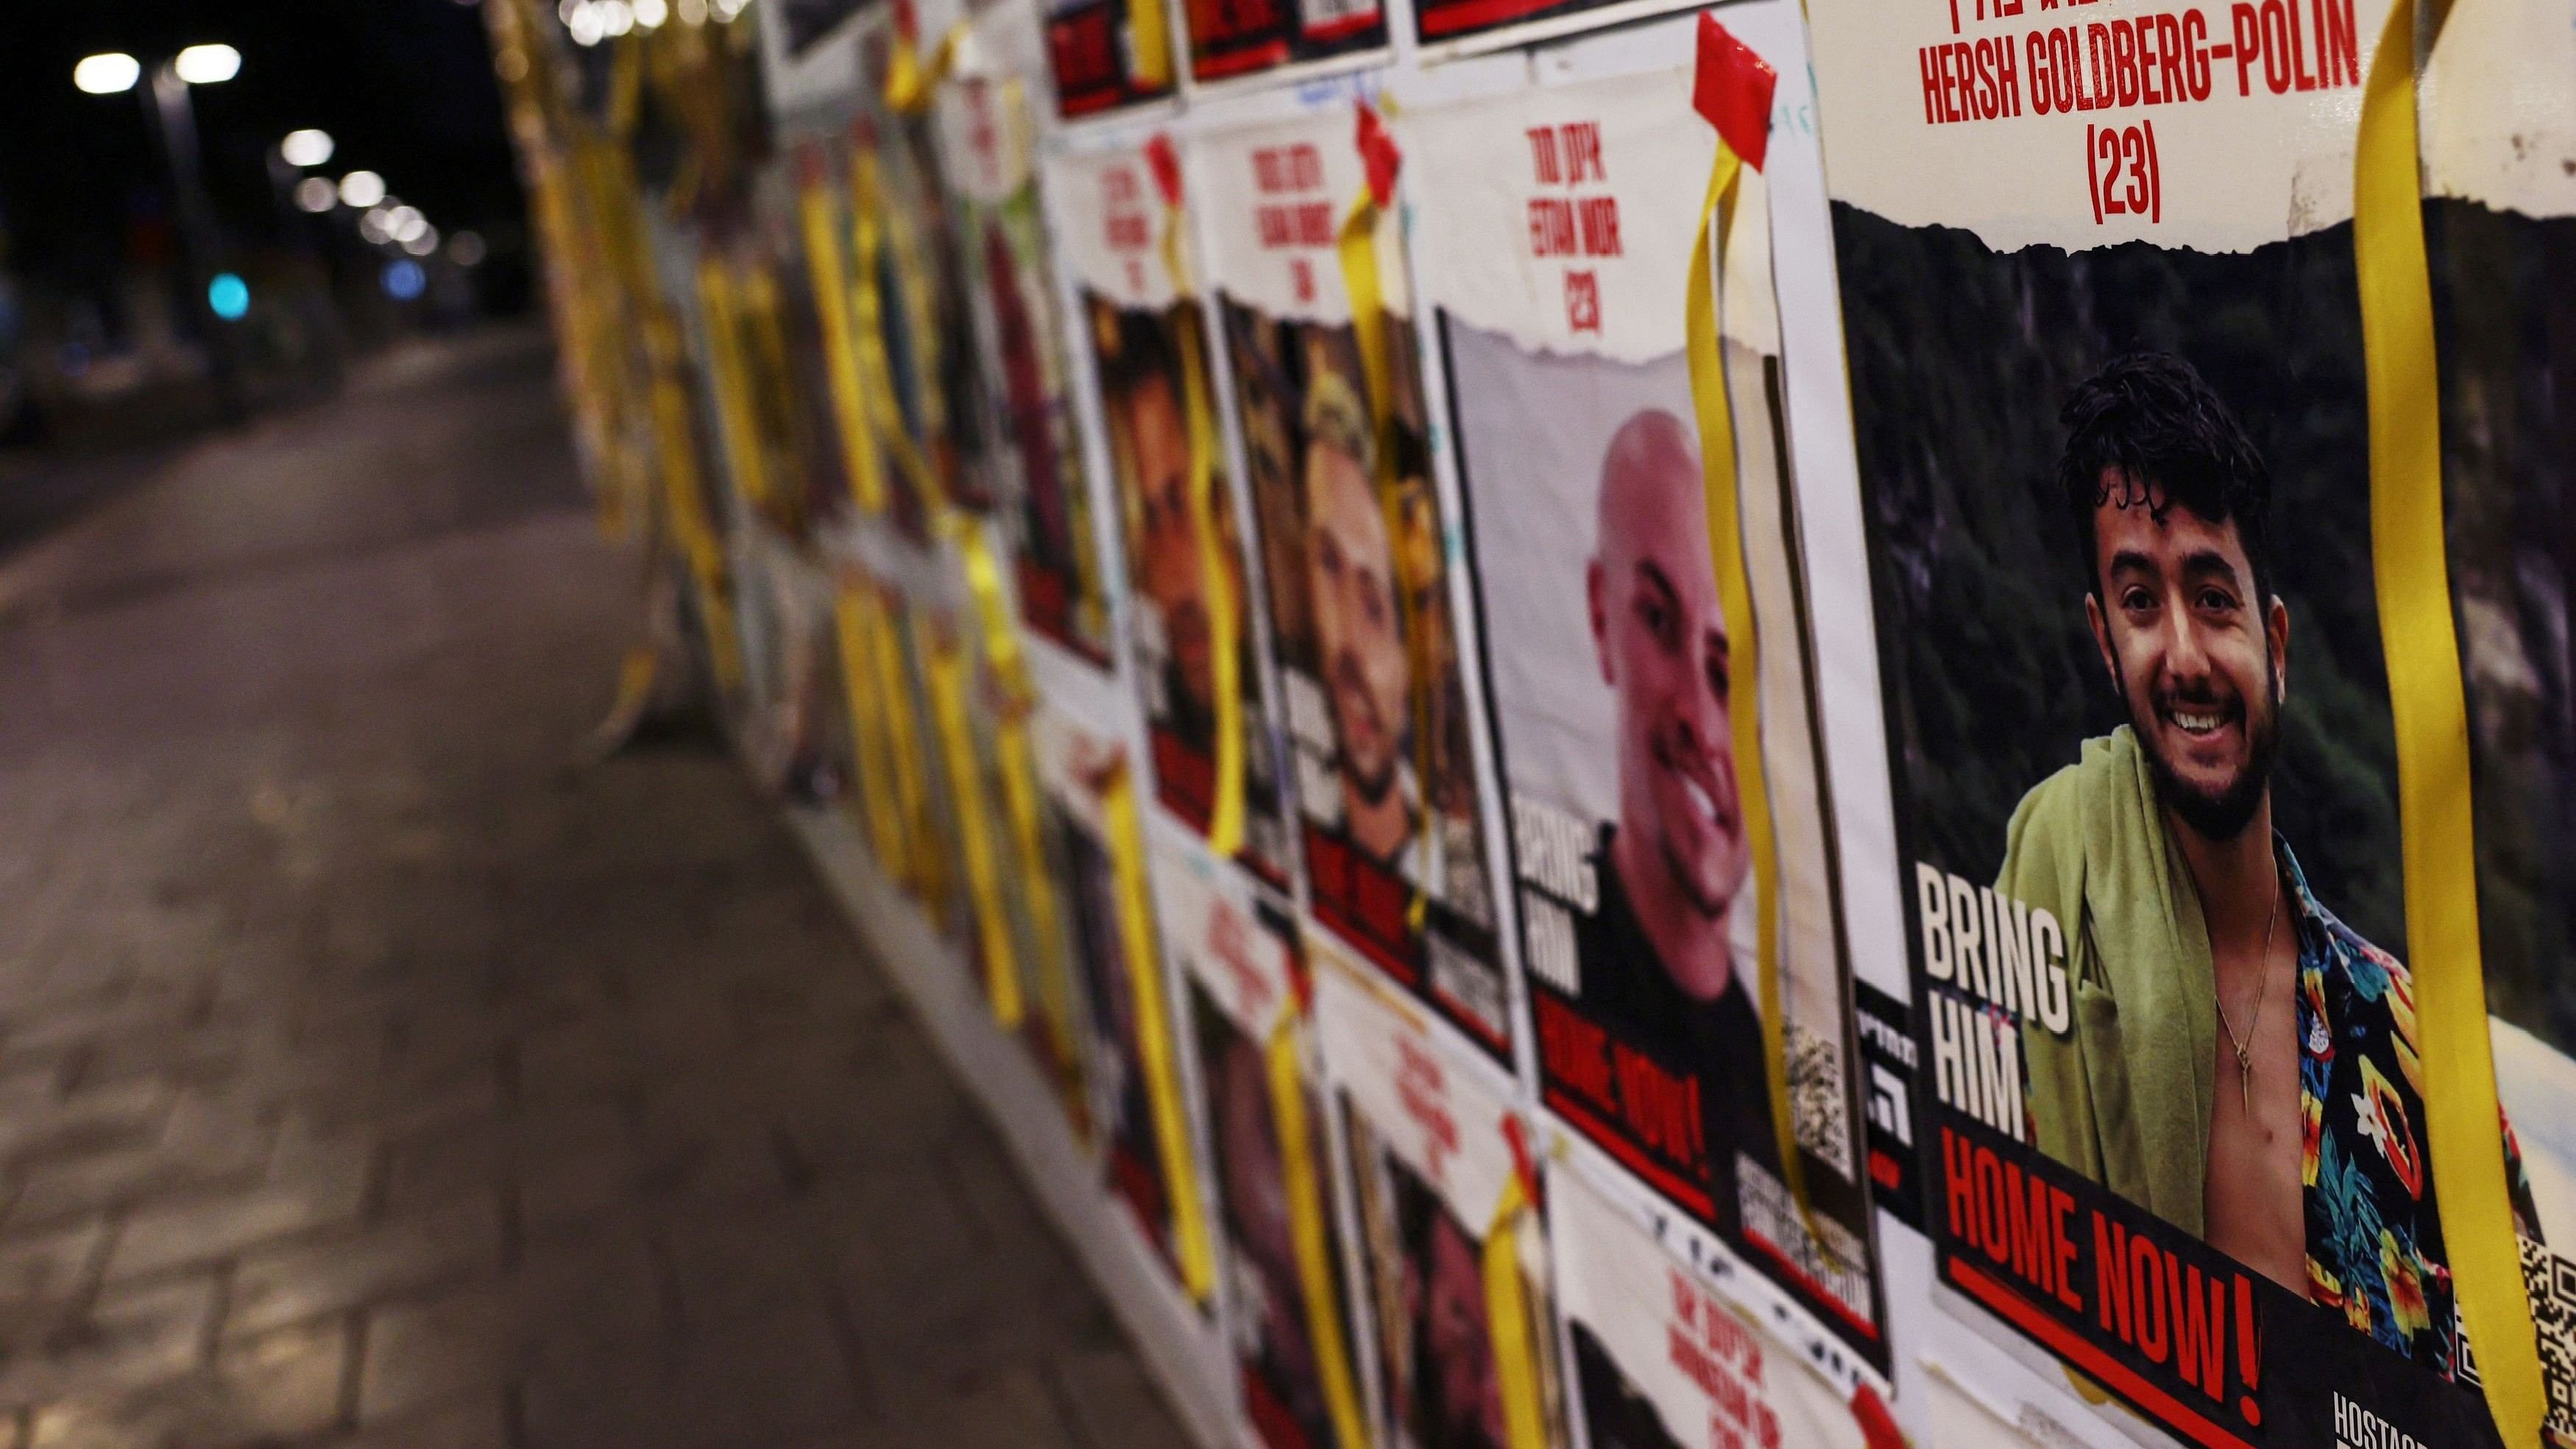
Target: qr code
<point x="2551" y="1280"/>
<point x="1819" y="1102"/>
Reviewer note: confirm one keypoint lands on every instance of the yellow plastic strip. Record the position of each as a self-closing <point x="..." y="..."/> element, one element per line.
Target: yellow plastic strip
<point x="734" y="412"/>
<point x="851" y="607"/>
<point x="1367" y="293"/>
<point x="1306" y="1221"/>
<point x="2434" y="808"/>
<point x="1149" y="37"/>
<point x="1019" y="770"/>
<point x="831" y="283"/>
<point x="875" y="370"/>
<point x="1508" y="1321"/>
<point x="1154" y="1035"/>
<point x="1225" y="820"/>
<point x="947" y="669"/>
<point x="921" y="855"/>
<point x="1744" y="703"/>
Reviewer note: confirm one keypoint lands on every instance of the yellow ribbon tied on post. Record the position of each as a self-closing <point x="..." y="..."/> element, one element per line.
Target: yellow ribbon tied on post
<point x="2418" y="637"/>
<point x="949" y="663"/>
<point x="853" y="607"/>
<point x="1018" y="765"/>
<point x="1307" y="1224"/>
<point x="1732" y="91"/>
<point x="1190" y="1248"/>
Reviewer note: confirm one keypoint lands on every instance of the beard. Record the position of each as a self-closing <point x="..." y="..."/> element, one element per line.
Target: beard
<point x="2222" y="814"/>
<point x="1369" y="779"/>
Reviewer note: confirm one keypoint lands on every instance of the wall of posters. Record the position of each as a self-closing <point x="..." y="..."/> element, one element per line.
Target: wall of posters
<point x="1237" y="40"/>
<point x="1101" y="57"/>
<point x="1554" y="245"/>
<point x="1189" y="573"/>
<point x="1354" y="548"/>
<point x="2116" y="440"/>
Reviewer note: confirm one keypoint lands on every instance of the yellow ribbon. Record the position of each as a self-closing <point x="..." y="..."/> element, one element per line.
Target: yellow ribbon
<point x="684" y="499"/>
<point x="2434" y="809"/>
<point x="910" y="80"/>
<point x="923" y="873"/>
<point x="853" y="608"/>
<point x="831" y="284"/>
<point x="1190" y="1247"/>
<point x="1360" y="280"/>
<point x="875" y="371"/>
<point x="1314" y="1249"/>
<point x="947" y="670"/>
<point x="1225" y="819"/>
<point x="1508" y="1323"/>
<point x="1735" y="596"/>
<point x="1149" y="37"/>
<point x="734" y="410"/>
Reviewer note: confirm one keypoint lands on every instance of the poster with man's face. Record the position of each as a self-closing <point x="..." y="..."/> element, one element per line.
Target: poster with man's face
<point x="1076" y="767"/>
<point x="1187" y="567"/>
<point x="2115" y="449"/>
<point x="1034" y="466"/>
<point x="1236" y="949"/>
<point x="1430" y="1157"/>
<point x="1355" y="559"/>
<point x="1633" y="719"/>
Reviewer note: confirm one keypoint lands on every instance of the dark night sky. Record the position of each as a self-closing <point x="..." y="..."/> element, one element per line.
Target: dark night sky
<point x="404" y="86"/>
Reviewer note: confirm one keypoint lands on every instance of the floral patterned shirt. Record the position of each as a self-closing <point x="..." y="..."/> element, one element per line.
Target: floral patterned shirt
<point x="2375" y="1250"/>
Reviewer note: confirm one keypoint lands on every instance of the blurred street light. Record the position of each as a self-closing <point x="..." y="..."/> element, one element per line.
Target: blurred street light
<point x="307" y="147"/>
<point x="205" y="65"/>
<point x="113" y="73"/>
<point x="405" y="222"/>
<point x="649" y="14"/>
<point x="228" y="297"/>
<point x="361" y="189"/>
<point x="316" y="194"/>
<point x="422" y="242"/>
<point x="466" y="249"/>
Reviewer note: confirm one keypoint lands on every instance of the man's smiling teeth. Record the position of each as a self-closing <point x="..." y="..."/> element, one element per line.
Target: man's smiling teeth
<point x="1700" y="800"/>
<point x="2193" y="723"/>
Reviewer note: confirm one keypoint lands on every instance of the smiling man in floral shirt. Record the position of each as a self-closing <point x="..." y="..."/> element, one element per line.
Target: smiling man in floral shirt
<point x="2239" y="1061"/>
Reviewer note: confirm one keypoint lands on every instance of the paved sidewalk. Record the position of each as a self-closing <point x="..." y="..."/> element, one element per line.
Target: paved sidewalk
<point x="372" y="1075"/>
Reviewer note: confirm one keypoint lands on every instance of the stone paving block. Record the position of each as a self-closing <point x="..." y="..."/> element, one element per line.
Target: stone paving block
<point x="186" y="1233"/>
<point x="368" y="1263"/>
<point x="476" y="1421"/>
<point x="128" y="1339"/>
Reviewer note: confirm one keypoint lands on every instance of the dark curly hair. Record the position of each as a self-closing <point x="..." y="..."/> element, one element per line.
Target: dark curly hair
<point x="2147" y="432"/>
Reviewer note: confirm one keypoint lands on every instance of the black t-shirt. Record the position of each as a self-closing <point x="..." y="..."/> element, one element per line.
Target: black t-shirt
<point x="1627" y="991"/>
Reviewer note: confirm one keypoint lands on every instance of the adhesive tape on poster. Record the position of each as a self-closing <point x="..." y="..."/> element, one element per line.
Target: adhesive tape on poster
<point x="2438" y="837"/>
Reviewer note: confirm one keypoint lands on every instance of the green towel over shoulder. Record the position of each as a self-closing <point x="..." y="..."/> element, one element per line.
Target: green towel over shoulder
<point x="2124" y="1096"/>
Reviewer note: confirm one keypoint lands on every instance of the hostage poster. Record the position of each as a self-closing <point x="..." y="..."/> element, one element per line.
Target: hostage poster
<point x="1554" y="231"/>
<point x="987" y="131"/>
<point x="1275" y="1197"/>
<point x="1354" y="551"/>
<point x="2105" y="329"/>
<point x="1191" y="613"/>
<point x="1436" y="1173"/>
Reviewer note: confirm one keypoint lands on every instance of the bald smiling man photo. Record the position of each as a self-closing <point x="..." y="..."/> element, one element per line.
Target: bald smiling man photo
<point x="1654" y="958"/>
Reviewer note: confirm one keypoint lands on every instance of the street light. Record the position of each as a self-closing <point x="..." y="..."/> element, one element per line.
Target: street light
<point x="206" y="65"/>
<point x="174" y="118"/>
<point x="111" y="74"/>
<point x="307" y="147"/>
<point x="361" y="189"/>
<point x="316" y="194"/>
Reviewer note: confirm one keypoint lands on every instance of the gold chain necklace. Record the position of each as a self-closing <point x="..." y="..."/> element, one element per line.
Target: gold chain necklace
<point x="2244" y="1045"/>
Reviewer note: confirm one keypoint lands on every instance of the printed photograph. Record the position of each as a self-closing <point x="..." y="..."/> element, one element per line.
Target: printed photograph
<point x="1373" y="700"/>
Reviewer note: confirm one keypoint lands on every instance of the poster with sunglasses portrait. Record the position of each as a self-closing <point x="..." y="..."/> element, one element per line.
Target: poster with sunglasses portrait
<point x="1553" y="233"/>
<point x="1189" y="573"/>
<point x="1354" y="552"/>
<point x="2108" y="369"/>
<point x="1432" y="1160"/>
